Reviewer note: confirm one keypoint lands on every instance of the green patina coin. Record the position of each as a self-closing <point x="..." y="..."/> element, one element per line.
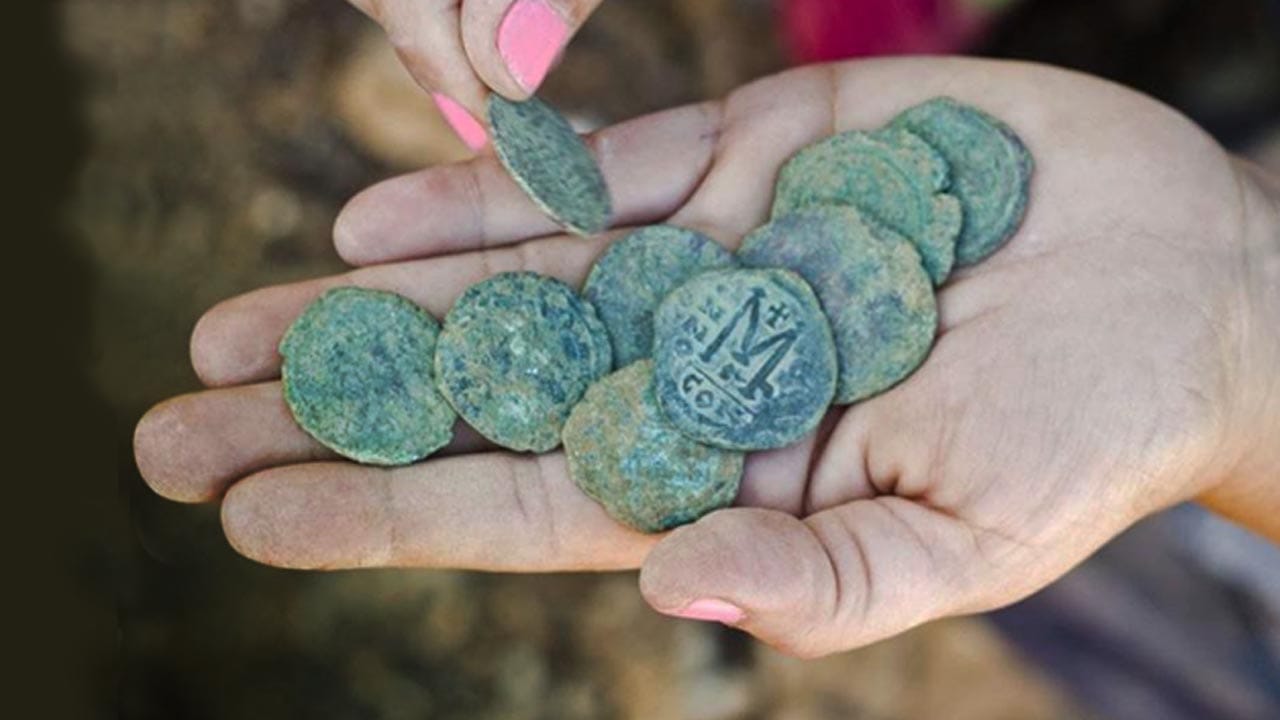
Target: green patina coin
<point x="517" y="352"/>
<point x="891" y="176"/>
<point x="637" y="272"/>
<point x="990" y="171"/>
<point x="871" y="285"/>
<point x="358" y="376"/>
<point x="744" y="359"/>
<point x="551" y="163"/>
<point x="624" y="453"/>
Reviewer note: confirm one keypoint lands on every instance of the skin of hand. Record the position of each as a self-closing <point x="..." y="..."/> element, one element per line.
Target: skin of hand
<point x="1118" y="356"/>
<point x="458" y="50"/>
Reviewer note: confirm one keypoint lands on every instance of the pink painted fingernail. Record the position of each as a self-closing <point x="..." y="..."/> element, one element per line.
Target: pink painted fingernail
<point x="530" y="38"/>
<point x="712" y="610"/>
<point x="463" y="123"/>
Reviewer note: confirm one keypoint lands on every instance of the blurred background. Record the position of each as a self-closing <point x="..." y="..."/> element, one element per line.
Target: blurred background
<point x="214" y="142"/>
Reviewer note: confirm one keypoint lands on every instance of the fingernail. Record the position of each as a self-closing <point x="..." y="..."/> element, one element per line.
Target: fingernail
<point x="712" y="610"/>
<point x="469" y="130"/>
<point x="529" y="38"/>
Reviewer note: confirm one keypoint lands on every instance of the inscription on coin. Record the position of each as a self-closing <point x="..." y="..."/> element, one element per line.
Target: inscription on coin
<point x="744" y="358"/>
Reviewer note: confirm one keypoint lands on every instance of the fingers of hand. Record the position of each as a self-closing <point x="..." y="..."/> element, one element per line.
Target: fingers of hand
<point x="714" y="162"/>
<point x="652" y="164"/>
<point x="193" y="447"/>
<point x="513" y="44"/>
<point x="426" y="36"/>
<point x="836" y="580"/>
<point x="189" y="448"/>
<point x="497" y="511"/>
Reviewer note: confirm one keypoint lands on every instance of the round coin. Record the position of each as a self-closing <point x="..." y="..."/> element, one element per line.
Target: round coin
<point x="990" y="171"/>
<point x="872" y="287"/>
<point x="550" y="162"/>
<point x="624" y="453"/>
<point x="637" y="272"/>
<point x="891" y="176"/>
<point x="744" y="359"/>
<point x="358" y="377"/>
<point x="517" y="352"/>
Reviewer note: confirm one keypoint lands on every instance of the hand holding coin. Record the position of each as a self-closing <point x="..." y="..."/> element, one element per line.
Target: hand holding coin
<point x="460" y="51"/>
<point x="1117" y="355"/>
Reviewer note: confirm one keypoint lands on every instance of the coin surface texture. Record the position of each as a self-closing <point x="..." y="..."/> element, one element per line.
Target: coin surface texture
<point x="872" y="287"/>
<point x="991" y="171"/>
<point x="624" y="453"/>
<point x="551" y="163"/>
<point x="516" y="354"/>
<point x="637" y="272"/>
<point x="891" y="176"/>
<point x="358" y="376"/>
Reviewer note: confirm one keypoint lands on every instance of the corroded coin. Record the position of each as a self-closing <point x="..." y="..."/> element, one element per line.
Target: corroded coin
<point x="551" y="163"/>
<point x="358" y="377"/>
<point x="637" y="272"/>
<point x="872" y="287"/>
<point x="744" y="359"/>
<point x="891" y="176"/>
<point x="624" y="453"/>
<point x="517" y="352"/>
<point x="990" y="171"/>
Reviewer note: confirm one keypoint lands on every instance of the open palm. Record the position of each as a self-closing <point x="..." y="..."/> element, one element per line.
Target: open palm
<point x="1078" y="382"/>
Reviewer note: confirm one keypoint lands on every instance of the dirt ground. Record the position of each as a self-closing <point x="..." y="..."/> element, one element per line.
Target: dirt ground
<point x="224" y="137"/>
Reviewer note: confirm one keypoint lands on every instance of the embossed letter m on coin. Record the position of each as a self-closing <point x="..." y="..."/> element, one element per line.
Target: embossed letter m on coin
<point x="744" y="354"/>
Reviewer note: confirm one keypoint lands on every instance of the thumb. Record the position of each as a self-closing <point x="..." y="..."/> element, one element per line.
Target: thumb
<point x="841" y="578"/>
<point x="513" y="44"/>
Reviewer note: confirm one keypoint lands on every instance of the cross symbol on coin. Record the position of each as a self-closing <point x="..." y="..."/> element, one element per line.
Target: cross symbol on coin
<point x="777" y="314"/>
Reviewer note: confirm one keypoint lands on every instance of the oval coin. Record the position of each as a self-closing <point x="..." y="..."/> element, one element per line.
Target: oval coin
<point x="550" y="162"/>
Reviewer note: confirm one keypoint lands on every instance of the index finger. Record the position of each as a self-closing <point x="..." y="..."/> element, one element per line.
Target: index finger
<point x="652" y="164"/>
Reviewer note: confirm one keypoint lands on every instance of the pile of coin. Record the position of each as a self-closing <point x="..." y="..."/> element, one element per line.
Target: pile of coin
<point x="712" y="354"/>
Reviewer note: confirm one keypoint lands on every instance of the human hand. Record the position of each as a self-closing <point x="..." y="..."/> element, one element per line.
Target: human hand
<point x="1118" y="356"/>
<point x="458" y="49"/>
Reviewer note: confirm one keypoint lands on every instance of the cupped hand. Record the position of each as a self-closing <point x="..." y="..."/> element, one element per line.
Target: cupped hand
<point x="1103" y="365"/>
<point x="458" y="50"/>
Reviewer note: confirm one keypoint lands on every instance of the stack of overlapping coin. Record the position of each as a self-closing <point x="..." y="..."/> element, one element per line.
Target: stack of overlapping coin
<point x="715" y="354"/>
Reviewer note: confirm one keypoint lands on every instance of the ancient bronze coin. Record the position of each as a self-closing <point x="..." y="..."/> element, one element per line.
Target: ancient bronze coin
<point x="990" y="171"/>
<point x="358" y="377"/>
<point x="891" y="176"/>
<point x="624" y="453"/>
<point x="551" y="163"/>
<point x="871" y="285"/>
<point x="637" y="272"/>
<point x="744" y="359"/>
<point x="517" y="352"/>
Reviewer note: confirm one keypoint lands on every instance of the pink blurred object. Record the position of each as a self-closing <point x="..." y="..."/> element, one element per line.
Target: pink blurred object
<point x="821" y="30"/>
